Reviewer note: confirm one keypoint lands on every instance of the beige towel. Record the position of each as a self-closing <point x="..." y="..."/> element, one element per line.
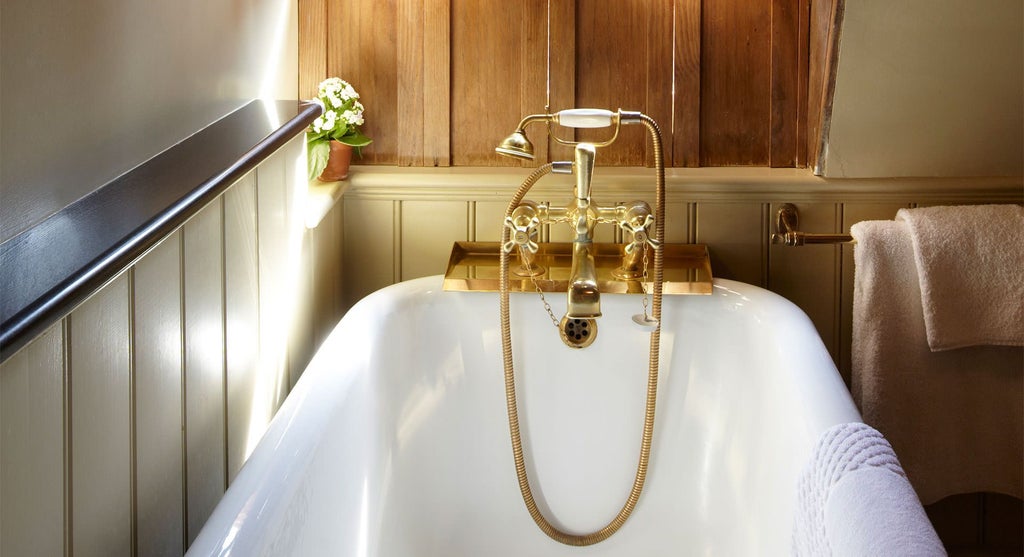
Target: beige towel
<point x="955" y="418"/>
<point x="970" y="260"/>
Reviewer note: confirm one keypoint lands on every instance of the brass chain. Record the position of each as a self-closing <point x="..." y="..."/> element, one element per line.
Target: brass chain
<point x="533" y="279"/>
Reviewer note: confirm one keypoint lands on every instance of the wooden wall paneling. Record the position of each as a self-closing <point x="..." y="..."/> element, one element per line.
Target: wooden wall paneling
<point x="660" y="68"/>
<point x="362" y="48"/>
<point x="809" y="276"/>
<point x="486" y="79"/>
<point x="429" y="228"/>
<point x="242" y="316"/>
<point x="789" y="30"/>
<point x="824" y="30"/>
<point x="854" y="213"/>
<point x="735" y="83"/>
<point x="437" y="83"/>
<point x="370" y="243"/>
<point x="32" y="445"/>
<point x="561" y="66"/>
<point x="685" y="124"/>
<point x="313" y="29"/>
<point x="205" y="444"/>
<point x="411" y="93"/>
<point x="612" y="67"/>
<point x="533" y="67"/>
<point x="100" y="408"/>
<point x="735" y="235"/>
<point x="159" y="444"/>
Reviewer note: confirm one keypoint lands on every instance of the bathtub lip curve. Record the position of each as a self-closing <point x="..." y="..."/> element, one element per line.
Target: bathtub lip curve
<point x="234" y="529"/>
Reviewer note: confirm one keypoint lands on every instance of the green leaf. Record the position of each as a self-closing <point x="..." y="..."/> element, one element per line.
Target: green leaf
<point x="317" y="155"/>
<point x="356" y="139"/>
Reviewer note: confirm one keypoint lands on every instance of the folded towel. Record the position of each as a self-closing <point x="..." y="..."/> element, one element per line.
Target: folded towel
<point x="970" y="261"/>
<point x="955" y="417"/>
<point x="854" y="499"/>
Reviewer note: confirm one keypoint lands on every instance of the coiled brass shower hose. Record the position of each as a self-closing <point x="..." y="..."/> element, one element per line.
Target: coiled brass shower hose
<point x="652" y="381"/>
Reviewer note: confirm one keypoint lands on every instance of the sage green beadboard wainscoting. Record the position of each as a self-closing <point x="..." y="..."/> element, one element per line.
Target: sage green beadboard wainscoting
<point x="123" y="423"/>
<point x="400" y="223"/>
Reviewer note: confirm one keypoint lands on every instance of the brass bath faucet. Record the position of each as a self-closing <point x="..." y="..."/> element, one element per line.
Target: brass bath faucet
<point x="582" y="214"/>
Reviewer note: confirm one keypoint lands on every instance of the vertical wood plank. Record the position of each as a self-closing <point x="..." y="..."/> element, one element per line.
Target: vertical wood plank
<point x="660" y="76"/>
<point x="32" y="445"/>
<point x="362" y="49"/>
<point x="823" y="49"/>
<point x="686" y="109"/>
<point x="203" y="261"/>
<point x="486" y="75"/>
<point x="736" y="234"/>
<point x="101" y="474"/>
<point x="313" y="29"/>
<point x="562" y="25"/>
<point x="809" y="276"/>
<point x="429" y="228"/>
<point x="410" y="82"/>
<point x="788" y="80"/>
<point x="735" y="83"/>
<point x="158" y="400"/>
<point x="611" y="75"/>
<point x="241" y="302"/>
<point x="436" y="83"/>
<point x="533" y="67"/>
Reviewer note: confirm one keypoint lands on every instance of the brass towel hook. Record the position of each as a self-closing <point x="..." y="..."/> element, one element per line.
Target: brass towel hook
<point x="787" y="225"/>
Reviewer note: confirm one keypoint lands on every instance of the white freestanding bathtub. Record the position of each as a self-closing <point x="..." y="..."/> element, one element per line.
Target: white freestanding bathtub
<point x="395" y="440"/>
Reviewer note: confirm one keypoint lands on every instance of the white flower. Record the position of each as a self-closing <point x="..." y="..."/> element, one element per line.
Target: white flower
<point x="352" y="118"/>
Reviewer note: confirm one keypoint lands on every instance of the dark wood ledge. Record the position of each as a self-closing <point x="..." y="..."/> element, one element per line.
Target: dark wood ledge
<point x="52" y="267"/>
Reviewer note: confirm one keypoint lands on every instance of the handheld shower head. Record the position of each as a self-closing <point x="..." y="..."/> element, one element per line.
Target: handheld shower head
<point x="516" y="145"/>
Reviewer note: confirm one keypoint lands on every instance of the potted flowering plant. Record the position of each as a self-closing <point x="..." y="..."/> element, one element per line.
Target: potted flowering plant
<point x="332" y="136"/>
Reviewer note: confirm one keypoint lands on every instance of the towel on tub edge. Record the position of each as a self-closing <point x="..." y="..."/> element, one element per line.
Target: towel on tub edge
<point x="854" y="499"/>
<point x="970" y="260"/>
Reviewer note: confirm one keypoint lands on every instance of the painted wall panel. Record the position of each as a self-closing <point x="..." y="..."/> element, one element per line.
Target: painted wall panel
<point x="369" y="247"/>
<point x="429" y="228"/>
<point x="735" y="234"/>
<point x="100" y="377"/>
<point x="277" y="267"/>
<point x="204" y="364"/>
<point x="32" y="445"/>
<point x="159" y="444"/>
<point x="241" y="301"/>
<point x="808" y="276"/>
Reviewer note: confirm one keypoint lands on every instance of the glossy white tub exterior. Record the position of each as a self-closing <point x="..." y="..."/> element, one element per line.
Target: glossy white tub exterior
<point x="395" y="441"/>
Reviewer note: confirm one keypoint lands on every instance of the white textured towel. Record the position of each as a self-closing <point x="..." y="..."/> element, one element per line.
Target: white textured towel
<point x="970" y="261"/>
<point x="854" y="499"/>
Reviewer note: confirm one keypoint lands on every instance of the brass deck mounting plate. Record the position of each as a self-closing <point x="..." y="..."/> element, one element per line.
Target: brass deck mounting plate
<point x="473" y="267"/>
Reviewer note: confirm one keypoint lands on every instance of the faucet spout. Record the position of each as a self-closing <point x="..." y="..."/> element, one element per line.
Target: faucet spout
<point x="584" y="299"/>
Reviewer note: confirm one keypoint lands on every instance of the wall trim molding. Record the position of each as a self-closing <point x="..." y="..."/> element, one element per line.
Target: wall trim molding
<point x="730" y="184"/>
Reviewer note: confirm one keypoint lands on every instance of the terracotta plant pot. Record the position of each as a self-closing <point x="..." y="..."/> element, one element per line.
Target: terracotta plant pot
<point x="337" y="163"/>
